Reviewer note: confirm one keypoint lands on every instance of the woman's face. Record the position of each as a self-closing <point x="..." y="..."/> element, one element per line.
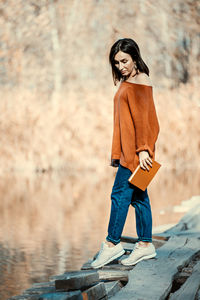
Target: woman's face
<point x="124" y="62"/>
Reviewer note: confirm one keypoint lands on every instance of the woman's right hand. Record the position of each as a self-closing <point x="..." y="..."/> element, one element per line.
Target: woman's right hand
<point x="145" y="160"/>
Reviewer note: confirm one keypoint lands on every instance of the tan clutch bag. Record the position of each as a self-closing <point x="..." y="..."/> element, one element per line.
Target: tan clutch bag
<point x="141" y="178"/>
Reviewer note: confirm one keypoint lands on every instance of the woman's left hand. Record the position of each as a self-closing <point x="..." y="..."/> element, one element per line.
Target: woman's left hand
<point x="145" y="160"/>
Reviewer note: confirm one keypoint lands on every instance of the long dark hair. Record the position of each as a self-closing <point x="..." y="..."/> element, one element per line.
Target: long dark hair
<point x="128" y="46"/>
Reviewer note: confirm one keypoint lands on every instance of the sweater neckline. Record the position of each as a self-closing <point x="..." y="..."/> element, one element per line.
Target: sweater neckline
<point x="138" y="84"/>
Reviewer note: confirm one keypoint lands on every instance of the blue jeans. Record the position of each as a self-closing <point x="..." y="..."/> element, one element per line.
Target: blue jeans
<point x="123" y="194"/>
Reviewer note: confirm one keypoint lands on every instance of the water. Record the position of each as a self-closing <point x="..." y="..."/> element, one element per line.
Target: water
<point x="50" y="224"/>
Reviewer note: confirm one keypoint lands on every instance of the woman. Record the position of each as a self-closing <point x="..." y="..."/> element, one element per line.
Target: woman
<point x="135" y="132"/>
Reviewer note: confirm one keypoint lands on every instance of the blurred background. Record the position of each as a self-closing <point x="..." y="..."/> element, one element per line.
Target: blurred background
<point x="56" y="121"/>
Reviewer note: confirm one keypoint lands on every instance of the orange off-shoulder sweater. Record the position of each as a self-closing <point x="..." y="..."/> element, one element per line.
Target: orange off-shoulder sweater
<point x="136" y="125"/>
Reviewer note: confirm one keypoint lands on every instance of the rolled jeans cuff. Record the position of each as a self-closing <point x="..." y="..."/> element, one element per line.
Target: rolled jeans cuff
<point x="112" y="241"/>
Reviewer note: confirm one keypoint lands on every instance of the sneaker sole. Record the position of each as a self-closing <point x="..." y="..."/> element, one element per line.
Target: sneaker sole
<point x="142" y="258"/>
<point x="110" y="259"/>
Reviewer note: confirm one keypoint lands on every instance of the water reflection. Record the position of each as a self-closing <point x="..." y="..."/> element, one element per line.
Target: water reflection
<point x="51" y="223"/>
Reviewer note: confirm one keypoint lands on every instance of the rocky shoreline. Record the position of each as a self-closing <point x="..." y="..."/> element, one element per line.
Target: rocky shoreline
<point x="174" y="274"/>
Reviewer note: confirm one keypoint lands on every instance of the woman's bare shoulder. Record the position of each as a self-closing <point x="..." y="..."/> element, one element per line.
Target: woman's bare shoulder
<point x="143" y="78"/>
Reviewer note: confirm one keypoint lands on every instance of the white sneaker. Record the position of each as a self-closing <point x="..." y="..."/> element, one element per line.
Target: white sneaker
<point x="107" y="254"/>
<point x="139" y="253"/>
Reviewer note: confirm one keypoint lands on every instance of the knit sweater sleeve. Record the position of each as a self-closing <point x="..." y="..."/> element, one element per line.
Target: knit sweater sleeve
<point x="142" y="108"/>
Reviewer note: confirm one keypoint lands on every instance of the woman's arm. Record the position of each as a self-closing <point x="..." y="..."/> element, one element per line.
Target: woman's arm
<point x="142" y="108"/>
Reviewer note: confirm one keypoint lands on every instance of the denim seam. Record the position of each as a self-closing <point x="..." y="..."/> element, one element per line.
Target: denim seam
<point x="142" y="231"/>
<point x="142" y="238"/>
<point x="117" y="215"/>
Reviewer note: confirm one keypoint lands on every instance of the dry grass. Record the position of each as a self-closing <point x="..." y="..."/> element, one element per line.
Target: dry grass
<point x="37" y="134"/>
<point x="178" y="145"/>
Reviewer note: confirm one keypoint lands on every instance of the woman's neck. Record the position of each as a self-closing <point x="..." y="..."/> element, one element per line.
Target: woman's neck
<point x="129" y="78"/>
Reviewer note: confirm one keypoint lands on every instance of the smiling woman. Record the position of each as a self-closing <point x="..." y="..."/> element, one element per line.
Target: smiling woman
<point x="135" y="132"/>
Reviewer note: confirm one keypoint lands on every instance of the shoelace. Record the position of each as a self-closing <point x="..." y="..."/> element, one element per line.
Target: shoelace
<point x="137" y="246"/>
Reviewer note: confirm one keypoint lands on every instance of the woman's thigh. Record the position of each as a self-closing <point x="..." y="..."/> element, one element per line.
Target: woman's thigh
<point x="122" y="189"/>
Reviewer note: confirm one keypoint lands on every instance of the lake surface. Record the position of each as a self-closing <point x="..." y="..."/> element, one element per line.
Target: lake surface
<point x="50" y="223"/>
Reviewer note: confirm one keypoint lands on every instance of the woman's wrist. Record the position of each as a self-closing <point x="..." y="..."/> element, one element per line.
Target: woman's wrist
<point x="115" y="163"/>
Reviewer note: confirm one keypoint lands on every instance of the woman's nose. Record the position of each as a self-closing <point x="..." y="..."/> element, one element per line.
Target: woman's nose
<point x="121" y="66"/>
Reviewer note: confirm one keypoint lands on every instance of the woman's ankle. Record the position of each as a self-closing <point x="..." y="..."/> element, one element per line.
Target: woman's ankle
<point x="144" y="243"/>
<point x="110" y="244"/>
